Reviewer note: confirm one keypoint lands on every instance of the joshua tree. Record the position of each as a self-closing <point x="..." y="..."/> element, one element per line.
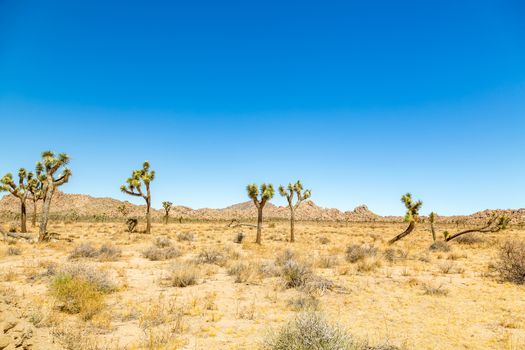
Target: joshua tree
<point x="134" y="188"/>
<point x="432" y="219"/>
<point x="266" y="193"/>
<point x="167" y="207"/>
<point x="494" y="224"/>
<point x="35" y="187"/>
<point x="296" y="188"/>
<point x="411" y="216"/>
<point x="51" y="165"/>
<point x="20" y="190"/>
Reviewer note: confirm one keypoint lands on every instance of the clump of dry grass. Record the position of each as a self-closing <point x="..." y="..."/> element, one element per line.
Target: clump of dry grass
<point x="162" y="249"/>
<point x="243" y="272"/>
<point x="107" y="252"/>
<point x="304" y="303"/>
<point x="433" y="289"/>
<point x="446" y="266"/>
<point x="327" y="261"/>
<point x="511" y="262"/>
<point x="211" y="256"/>
<point x="368" y="265"/>
<point x="184" y="275"/>
<point x="13" y="251"/>
<point x="439" y="246"/>
<point x="186" y="236"/>
<point x="470" y="239"/>
<point x="295" y="274"/>
<point x="355" y="253"/>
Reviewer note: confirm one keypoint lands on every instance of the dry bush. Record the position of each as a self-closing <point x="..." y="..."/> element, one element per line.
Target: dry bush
<point x="162" y="249"/>
<point x="101" y="279"/>
<point x="439" y="246"/>
<point x="470" y="239"/>
<point x="511" y="262"/>
<point x="327" y="261"/>
<point x="284" y="256"/>
<point x="446" y="266"/>
<point x="355" y="253"/>
<point x="13" y="251"/>
<point x="243" y="272"/>
<point x="186" y="236"/>
<point x="107" y="252"/>
<point x="304" y="303"/>
<point x="295" y="274"/>
<point x="432" y="289"/>
<point x="317" y="285"/>
<point x="211" y="256"/>
<point x="309" y="331"/>
<point x="267" y="269"/>
<point x="184" y="275"/>
<point x="368" y="265"/>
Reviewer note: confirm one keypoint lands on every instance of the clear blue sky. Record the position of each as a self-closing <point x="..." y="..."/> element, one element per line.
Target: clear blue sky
<point x="361" y="100"/>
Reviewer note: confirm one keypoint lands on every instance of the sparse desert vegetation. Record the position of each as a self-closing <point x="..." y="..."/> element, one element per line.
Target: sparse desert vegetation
<point x="354" y="291"/>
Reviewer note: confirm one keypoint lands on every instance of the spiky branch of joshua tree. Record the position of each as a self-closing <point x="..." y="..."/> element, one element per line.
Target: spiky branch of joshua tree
<point x="167" y="207"/>
<point x="51" y="165"/>
<point x="36" y="188"/>
<point x="288" y="193"/>
<point x="260" y="197"/>
<point x="19" y="190"/>
<point x="411" y="216"/>
<point x="432" y="218"/>
<point x="495" y="224"/>
<point x="133" y="187"/>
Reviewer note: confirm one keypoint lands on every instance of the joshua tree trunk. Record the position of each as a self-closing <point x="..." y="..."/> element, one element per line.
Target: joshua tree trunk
<point x="23" y="217"/>
<point x="433" y="229"/>
<point x="43" y="234"/>
<point x="409" y="229"/>
<point x="148" y="216"/>
<point x="259" y="224"/>
<point x="292" y="223"/>
<point x="33" y="218"/>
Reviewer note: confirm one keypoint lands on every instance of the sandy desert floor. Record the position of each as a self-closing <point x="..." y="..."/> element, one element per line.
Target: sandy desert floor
<point x="404" y="295"/>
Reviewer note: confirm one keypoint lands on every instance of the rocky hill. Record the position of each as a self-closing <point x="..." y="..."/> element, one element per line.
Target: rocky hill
<point x="79" y="205"/>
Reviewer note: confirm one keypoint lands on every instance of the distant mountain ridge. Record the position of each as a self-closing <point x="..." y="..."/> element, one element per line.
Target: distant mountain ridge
<point x="87" y="206"/>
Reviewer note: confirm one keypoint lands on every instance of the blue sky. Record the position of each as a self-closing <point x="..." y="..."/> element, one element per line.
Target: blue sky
<point x="362" y="101"/>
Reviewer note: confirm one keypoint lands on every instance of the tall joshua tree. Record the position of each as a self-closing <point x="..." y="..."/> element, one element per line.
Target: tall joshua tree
<point x="134" y="188"/>
<point x="432" y="218"/>
<point x="35" y="187"/>
<point x="20" y="191"/>
<point x="296" y="188"/>
<point x="51" y="164"/>
<point x="411" y="216"/>
<point x="260" y="197"/>
<point x="167" y="207"/>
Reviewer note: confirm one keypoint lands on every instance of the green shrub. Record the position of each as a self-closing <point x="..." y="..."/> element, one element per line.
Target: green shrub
<point x="77" y="295"/>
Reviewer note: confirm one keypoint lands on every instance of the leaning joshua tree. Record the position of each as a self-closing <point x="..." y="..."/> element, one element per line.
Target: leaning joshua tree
<point x="296" y="188"/>
<point x="265" y="193"/>
<point x="51" y="165"/>
<point x="495" y="224"/>
<point x="412" y="216"/>
<point x="432" y="218"/>
<point x="19" y="190"/>
<point x="134" y="188"/>
<point x="167" y="207"/>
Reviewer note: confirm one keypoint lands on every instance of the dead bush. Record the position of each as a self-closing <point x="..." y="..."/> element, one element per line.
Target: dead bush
<point x="295" y="274"/>
<point x="304" y="303"/>
<point x="211" y="256"/>
<point x="355" y="253"/>
<point x="186" y="236"/>
<point x="439" y="246"/>
<point x="155" y="253"/>
<point x="107" y="252"/>
<point x="470" y="239"/>
<point x="13" y="251"/>
<point x="184" y="275"/>
<point x="511" y="262"/>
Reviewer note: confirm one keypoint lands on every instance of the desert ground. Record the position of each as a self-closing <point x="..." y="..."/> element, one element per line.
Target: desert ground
<point x="190" y="286"/>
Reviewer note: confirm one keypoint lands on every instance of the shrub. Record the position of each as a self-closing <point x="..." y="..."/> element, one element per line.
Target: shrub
<point x="318" y="285"/>
<point x="77" y="295"/>
<point x="162" y="242"/>
<point x="268" y="269"/>
<point x="511" y="263"/>
<point x="439" y="246"/>
<point x="211" y="256"/>
<point x="295" y="274"/>
<point x="309" y="331"/>
<point x="184" y="275"/>
<point x="243" y="272"/>
<point x="13" y="251"/>
<point x="470" y="239"/>
<point x="84" y="250"/>
<point x="446" y="267"/>
<point x="432" y="289"/>
<point x="100" y="279"/>
<point x="109" y="252"/>
<point x="155" y="253"/>
<point x="327" y="261"/>
<point x="355" y="253"/>
<point x="324" y="240"/>
<point x="239" y="237"/>
<point x="368" y="265"/>
<point x="304" y="303"/>
<point x="186" y="236"/>
<point x="284" y="257"/>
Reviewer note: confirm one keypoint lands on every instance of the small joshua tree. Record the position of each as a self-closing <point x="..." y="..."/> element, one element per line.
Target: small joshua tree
<point x="411" y="216"/>
<point x="265" y="193"/>
<point x="134" y="188"/>
<point x="20" y="190"/>
<point x="432" y="218"/>
<point x="36" y="188"/>
<point x="51" y="165"/>
<point x="167" y="207"/>
<point x="495" y="224"/>
<point x="296" y="188"/>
